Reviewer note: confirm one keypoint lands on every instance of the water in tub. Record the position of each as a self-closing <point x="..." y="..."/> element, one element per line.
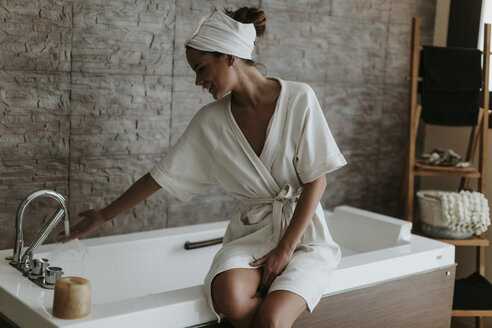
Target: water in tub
<point x="71" y="256"/>
<point x="67" y="228"/>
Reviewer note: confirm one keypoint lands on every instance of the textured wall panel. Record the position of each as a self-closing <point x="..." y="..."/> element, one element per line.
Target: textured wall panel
<point x="367" y="10"/>
<point x="353" y="114"/>
<point x="34" y="135"/>
<point x="394" y="120"/>
<point x="353" y="184"/>
<point x="98" y="181"/>
<point x="302" y="6"/>
<point x="128" y="37"/>
<point x="120" y="129"/>
<point x="325" y="48"/>
<point x="114" y="114"/>
<point x="402" y="11"/>
<point x="398" y="53"/>
<point x="36" y="35"/>
<point x="187" y="101"/>
<point x="34" y="116"/>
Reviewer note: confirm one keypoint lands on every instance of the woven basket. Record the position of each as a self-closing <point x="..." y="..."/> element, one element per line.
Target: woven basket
<point x="432" y="221"/>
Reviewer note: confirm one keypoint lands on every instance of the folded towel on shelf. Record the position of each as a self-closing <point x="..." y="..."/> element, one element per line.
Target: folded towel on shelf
<point x="472" y="293"/>
<point x="465" y="211"/>
<point x="452" y="78"/>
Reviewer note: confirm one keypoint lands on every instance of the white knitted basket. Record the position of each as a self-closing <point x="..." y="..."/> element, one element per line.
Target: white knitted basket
<point x="431" y="218"/>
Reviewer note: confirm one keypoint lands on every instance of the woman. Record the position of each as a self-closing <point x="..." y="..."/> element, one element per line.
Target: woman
<point x="267" y="142"/>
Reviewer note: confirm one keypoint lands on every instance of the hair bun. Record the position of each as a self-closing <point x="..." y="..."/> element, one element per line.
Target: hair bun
<point x="249" y="15"/>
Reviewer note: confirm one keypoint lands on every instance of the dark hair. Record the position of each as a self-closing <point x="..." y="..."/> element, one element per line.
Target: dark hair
<point x="248" y="15"/>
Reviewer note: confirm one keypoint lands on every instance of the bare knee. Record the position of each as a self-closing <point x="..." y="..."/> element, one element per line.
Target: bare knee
<point x="269" y="319"/>
<point x="232" y="297"/>
<point x="280" y="309"/>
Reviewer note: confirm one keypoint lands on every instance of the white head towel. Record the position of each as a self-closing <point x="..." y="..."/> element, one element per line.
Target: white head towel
<point x="221" y="33"/>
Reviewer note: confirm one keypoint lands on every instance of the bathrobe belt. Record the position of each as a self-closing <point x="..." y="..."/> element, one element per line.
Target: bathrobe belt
<point x="279" y="206"/>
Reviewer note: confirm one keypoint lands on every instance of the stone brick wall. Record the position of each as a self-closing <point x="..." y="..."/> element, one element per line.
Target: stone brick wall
<point x="94" y="92"/>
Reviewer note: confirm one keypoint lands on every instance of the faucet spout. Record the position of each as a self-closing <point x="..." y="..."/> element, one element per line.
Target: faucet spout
<point x="62" y="212"/>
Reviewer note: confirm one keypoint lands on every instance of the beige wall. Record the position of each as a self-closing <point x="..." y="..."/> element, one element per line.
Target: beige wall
<point x="441" y="22"/>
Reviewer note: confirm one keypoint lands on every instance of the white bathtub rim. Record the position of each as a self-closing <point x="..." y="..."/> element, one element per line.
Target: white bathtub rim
<point x="194" y="295"/>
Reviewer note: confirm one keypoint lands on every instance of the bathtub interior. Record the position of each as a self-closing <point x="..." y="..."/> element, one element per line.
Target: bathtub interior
<point x="122" y="270"/>
<point x="358" y="231"/>
<point x="134" y="265"/>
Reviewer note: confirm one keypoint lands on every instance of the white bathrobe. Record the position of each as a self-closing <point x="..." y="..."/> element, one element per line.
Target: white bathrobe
<point x="299" y="148"/>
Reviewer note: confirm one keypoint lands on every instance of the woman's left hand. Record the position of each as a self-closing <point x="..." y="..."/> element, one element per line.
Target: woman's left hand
<point x="274" y="264"/>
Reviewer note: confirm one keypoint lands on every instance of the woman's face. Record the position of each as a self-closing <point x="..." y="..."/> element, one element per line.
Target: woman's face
<point x="212" y="73"/>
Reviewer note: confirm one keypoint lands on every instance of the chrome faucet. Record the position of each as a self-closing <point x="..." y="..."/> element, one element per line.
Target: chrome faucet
<point x="26" y="263"/>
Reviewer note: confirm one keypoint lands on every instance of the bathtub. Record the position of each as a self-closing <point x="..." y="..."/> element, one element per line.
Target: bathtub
<point x="148" y="279"/>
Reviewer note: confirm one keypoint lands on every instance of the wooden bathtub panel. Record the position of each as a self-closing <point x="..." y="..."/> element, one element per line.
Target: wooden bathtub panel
<point x="423" y="300"/>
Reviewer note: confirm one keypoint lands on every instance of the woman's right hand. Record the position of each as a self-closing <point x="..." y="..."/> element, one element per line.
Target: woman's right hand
<point x="92" y="219"/>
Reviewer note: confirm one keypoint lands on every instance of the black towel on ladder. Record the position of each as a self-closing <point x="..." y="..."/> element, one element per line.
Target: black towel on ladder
<point x="452" y="78"/>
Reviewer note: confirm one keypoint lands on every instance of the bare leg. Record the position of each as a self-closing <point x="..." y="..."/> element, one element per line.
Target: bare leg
<point x="234" y="294"/>
<point x="279" y="309"/>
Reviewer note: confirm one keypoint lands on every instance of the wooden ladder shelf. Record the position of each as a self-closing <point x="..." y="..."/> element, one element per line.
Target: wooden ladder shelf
<point x="414" y="167"/>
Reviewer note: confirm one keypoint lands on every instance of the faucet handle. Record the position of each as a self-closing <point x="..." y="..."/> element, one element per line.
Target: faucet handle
<point x="38" y="268"/>
<point x="52" y="274"/>
<point x="25" y="267"/>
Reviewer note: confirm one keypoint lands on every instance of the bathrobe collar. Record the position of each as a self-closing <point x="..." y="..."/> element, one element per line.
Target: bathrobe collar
<point x="263" y="163"/>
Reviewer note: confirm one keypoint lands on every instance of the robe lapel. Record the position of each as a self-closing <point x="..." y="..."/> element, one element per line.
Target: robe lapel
<point x="263" y="172"/>
<point x="264" y="162"/>
<point x="275" y="128"/>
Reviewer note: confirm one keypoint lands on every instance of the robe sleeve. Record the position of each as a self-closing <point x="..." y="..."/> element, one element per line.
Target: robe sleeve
<point x="317" y="152"/>
<point x="187" y="167"/>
